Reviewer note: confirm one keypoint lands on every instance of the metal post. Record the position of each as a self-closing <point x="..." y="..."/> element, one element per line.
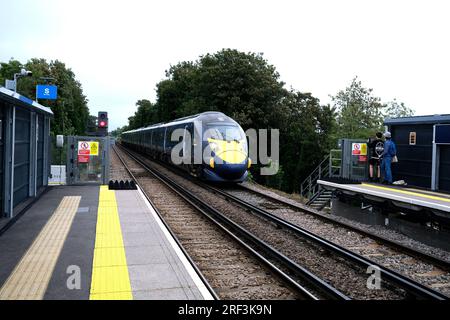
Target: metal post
<point x="69" y="158"/>
<point x="330" y="168"/>
<point x="15" y="81"/>
<point x="434" y="162"/>
<point x="31" y="167"/>
<point x="45" y="152"/>
<point x="7" y="161"/>
<point x="13" y="141"/>
<point x="36" y="119"/>
<point x="309" y="188"/>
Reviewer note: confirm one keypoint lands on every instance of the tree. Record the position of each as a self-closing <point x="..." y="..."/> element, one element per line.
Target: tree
<point x="117" y="132"/>
<point x="247" y="88"/>
<point x="394" y="109"/>
<point x="305" y="136"/>
<point x="70" y="109"/>
<point x="8" y="69"/>
<point x="145" y="114"/>
<point x="242" y="85"/>
<point x="359" y="112"/>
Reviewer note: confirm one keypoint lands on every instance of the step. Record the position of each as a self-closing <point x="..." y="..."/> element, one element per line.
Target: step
<point x="319" y="203"/>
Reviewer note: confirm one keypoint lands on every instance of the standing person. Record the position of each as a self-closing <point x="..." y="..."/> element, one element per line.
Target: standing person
<point x="376" y="148"/>
<point x="389" y="152"/>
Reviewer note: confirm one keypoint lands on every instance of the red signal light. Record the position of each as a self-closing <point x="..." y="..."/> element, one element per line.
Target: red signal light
<point x="102" y="123"/>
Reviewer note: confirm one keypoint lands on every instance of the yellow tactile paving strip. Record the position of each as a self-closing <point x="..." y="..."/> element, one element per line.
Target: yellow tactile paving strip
<point x="31" y="276"/>
<point x="421" y="195"/>
<point x="110" y="279"/>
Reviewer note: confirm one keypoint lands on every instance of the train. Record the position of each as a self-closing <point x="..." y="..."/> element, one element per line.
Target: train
<point x="211" y="146"/>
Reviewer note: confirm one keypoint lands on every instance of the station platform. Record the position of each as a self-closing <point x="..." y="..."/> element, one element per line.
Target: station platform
<point x="88" y="242"/>
<point x="408" y="198"/>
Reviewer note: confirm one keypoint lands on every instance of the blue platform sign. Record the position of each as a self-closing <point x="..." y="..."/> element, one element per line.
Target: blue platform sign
<point x="46" y="92"/>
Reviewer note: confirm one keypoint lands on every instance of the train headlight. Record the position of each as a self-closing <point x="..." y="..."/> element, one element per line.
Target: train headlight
<point x="249" y="163"/>
<point x="214" y="147"/>
<point x="211" y="163"/>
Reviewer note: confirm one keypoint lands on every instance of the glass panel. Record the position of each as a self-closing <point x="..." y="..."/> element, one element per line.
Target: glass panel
<point x="223" y="132"/>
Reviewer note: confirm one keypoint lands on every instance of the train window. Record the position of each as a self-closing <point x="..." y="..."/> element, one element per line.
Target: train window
<point x="412" y="138"/>
<point x="223" y="132"/>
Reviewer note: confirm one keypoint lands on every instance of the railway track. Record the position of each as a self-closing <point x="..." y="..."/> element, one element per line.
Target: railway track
<point x="427" y="269"/>
<point x="309" y="250"/>
<point x="272" y="203"/>
<point x="227" y="258"/>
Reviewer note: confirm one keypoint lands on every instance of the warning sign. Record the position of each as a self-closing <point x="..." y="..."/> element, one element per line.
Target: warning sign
<point x="359" y="149"/>
<point x="84" y="148"/>
<point x="89" y="148"/>
<point x="94" y="148"/>
<point x="82" y="158"/>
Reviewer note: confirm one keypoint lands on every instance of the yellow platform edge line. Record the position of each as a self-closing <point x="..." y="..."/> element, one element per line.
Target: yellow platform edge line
<point x="29" y="279"/>
<point x="407" y="192"/>
<point x="110" y="277"/>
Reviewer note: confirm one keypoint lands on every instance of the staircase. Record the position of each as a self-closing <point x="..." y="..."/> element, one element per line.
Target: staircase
<point x="330" y="166"/>
<point x="322" y="199"/>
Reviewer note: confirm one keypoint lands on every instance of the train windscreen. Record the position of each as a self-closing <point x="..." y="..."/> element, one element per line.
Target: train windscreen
<point x="224" y="132"/>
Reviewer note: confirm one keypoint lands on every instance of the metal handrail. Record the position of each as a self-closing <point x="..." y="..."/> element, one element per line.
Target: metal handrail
<point x="308" y="186"/>
<point x="326" y="168"/>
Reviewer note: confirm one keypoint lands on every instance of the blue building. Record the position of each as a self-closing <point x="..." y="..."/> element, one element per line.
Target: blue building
<point x="423" y="149"/>
<point x="24" y="151"/>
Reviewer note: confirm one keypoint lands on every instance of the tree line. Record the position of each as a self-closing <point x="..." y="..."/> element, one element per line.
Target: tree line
<point x="246" y="87"/>
<point x="71" y="112"/>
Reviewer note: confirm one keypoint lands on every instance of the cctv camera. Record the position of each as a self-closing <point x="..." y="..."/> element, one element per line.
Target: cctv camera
<point x="24" y="72"/>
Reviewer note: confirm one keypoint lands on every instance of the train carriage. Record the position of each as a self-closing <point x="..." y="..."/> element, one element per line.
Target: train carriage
<point x="209" y="145"/>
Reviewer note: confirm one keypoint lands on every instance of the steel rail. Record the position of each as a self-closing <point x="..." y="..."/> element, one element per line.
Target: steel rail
<point x="304" y="209"/>
<point x="404" y="282"/>
<point x="318" y="283"/>
<point x="408" y="250"/>
<point x="197" y="270"/>
<point x="409" y="285"/>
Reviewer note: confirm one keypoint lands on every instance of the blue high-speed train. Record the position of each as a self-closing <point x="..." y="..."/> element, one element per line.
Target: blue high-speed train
<point x="212" y="145"/>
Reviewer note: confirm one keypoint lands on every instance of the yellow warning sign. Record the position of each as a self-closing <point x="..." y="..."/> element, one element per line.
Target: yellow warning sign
<point x="94" y="148"/>
<point x="363" y="149"/>
<point x="359" y="149"/>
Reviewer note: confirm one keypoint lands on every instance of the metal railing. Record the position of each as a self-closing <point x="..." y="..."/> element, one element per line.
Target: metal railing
<point x="330" y="166"/>
<point x="335" y="162"/>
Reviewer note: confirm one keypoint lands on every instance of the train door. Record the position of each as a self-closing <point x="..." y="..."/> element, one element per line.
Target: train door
<point x="189" y="143"/>
<point x="183" y="152"/>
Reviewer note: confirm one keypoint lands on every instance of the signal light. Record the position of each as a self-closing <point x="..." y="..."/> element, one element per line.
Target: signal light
<point x="102" y="119"/>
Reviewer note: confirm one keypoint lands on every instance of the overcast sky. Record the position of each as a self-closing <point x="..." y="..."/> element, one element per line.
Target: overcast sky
<point x="119" y="50"/>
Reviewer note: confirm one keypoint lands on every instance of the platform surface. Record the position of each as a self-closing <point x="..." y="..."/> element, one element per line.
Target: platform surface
<point x="420" y="198"/>
<point x="88" y="242"/>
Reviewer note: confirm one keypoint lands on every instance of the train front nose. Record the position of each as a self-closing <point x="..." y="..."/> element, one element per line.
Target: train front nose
<point x="229" y="159"/>
<point x="230" y="170"/>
